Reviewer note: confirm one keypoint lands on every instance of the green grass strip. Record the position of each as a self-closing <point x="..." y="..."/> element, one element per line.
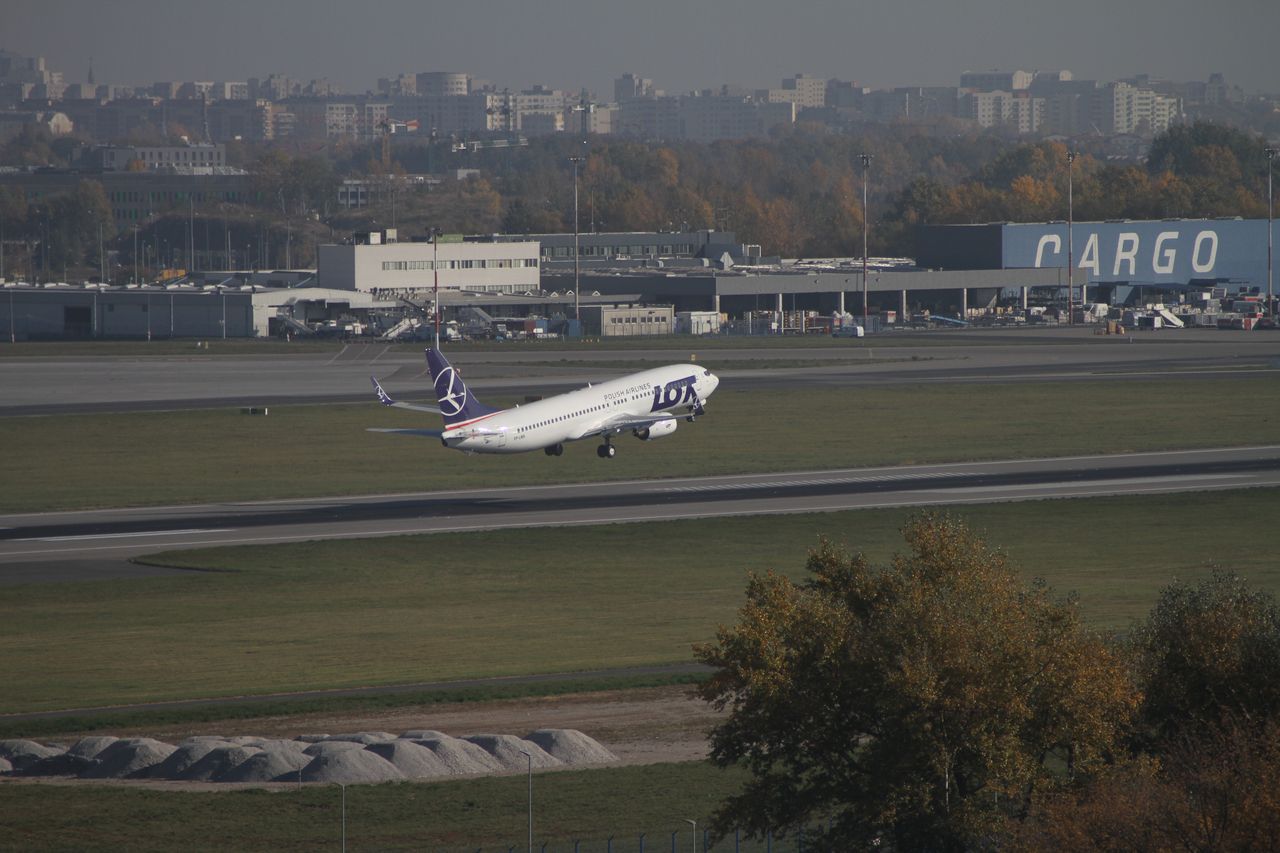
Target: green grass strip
<point x="484" y="813"/>
<point x="404" y="610"/>
<point x="83" y="461"/>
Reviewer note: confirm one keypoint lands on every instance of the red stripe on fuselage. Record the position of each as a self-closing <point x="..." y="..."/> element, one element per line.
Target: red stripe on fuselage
<point x="452" y="427"/>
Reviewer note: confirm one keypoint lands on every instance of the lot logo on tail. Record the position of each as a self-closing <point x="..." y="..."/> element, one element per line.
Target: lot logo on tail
<point x="451" y="392"/>
<point x="674" y="393"/>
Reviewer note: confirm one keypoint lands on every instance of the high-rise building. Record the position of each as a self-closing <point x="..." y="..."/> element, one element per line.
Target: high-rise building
<point x="443" y="84"/>
<point x="630" y="86"/>
<point x="996" y="81"/>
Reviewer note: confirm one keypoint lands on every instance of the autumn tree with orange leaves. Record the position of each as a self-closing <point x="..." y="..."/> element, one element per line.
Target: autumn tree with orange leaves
<point x="918" y="705"/>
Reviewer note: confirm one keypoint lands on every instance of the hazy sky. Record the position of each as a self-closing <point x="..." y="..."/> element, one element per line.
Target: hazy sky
<point x="680" y="44"/>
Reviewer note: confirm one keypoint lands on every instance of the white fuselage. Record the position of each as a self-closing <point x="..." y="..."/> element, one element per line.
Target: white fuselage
<point x="659" y="394"/>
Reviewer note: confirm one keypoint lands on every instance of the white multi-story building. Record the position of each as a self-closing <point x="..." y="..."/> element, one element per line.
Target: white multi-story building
<point x="119" y="158"/>
<point x="803" y="90"/>
<point x="1124" y="108"/>
<point x="374" y="265"/>
<point x="1016" y="112"/>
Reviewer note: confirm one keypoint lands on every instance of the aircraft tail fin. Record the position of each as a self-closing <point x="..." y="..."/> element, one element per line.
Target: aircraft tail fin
<point x="457" y="404"/>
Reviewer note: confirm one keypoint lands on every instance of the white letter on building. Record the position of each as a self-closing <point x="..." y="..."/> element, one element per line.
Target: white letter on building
<point x="1089" y="257"/>
<point x="1162" y="259"/>
<point x="1210" y="237"/>
<point x="1126" y="250"/>
<point x="1045" y="241"/>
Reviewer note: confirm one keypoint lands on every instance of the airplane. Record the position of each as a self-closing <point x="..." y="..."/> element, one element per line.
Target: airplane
<point x="647" y="404"/>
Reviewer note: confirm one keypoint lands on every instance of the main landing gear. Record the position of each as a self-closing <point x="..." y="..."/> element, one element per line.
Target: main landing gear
<point x="554" y="450"/>
<point x="606" y="450"/>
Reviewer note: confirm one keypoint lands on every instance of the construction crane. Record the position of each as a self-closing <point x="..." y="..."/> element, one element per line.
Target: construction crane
<point x="474" y="145"/>
<point x="389" y="126"/>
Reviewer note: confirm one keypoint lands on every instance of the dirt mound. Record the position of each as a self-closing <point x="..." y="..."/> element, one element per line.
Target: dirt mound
<point x="423" y="734"/>
<point x="186" y="754"/>
<point x="571" y="746"/>
<point x="332" y="747"/>
<point x="62" y="764"/>
<point x="269" y="765"/>
<point x="413" y="760"/>
<point x="279" y="745"/>
<point x="89" y="747"/>
<point x="352" y="767"/>
<point x="23" y="753"/>
<point x="510" y="751"/>
<point x="5" y="765"/>
<point x="128" y="757"/>
<point x="461" y="757"/>
<point x="365" y="738"/>
<point x="219" y="761"/>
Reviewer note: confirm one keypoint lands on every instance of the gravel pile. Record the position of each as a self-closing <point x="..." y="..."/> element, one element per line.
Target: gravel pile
<point x="365" y="738"/>
<point x="89" y="747"/>
<point x="269" y="765"/>
<point x="23" y="753"/>
<point x="218" y="762"/>
<point x="510" y="751"/>
<point x="188" y="753"/>
<point x="331" y="747"/>
<point x="461" y="757"/>
<point x="359" y="758"/>
<point x="411" y="759"/>
<point x="127" y="758"/>
<point x="353" y="767"/>
<point x="571" y="746"/>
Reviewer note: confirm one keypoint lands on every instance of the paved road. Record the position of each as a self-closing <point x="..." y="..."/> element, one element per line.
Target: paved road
<point x="96" y="544"/>
<point x="63" y="385"/>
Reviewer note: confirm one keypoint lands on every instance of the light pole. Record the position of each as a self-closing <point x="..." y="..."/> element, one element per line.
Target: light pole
<point x="530" y="760"/>
<point x="435" y="281"/>
<point x="1271" y="305"/>
<point x="693" y="833"/>
<point x="1071" y="174"/>
<point x="866" y="164"/>
<point x="577" y="316"/>
<point x="135" y="255"/>
<point x="344" y="816"/>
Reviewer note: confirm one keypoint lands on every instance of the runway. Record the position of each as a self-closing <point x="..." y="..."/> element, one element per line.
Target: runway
<point x="101" y="384"/>
<point x="97" y="544"/>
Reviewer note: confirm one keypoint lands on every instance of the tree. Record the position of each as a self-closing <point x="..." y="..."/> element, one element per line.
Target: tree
<point x="1213" y="790"/>
<point x="922" y="703"/>
<point x="1207" y="654"/>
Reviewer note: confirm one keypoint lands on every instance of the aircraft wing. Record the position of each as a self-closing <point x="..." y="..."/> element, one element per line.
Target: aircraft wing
<point x="421" y="433"/>
<point x="385" y="399"/>
<point x="623" y="423"/>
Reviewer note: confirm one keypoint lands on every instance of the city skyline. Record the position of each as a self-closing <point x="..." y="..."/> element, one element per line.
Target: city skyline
<point x="567" y="44"/>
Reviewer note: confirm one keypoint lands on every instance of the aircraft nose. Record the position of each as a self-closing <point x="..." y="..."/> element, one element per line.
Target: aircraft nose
<point x="713" y="382"/>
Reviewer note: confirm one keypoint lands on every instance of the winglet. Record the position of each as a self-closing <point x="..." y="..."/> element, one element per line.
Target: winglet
<point x="383" y="397"/>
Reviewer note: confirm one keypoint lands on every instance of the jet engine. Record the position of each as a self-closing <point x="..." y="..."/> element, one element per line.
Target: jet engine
<point x="657" y="430"/>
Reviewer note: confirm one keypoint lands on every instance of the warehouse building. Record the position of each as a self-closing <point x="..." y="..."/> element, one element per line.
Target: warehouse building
<point x="1115" y="262"/>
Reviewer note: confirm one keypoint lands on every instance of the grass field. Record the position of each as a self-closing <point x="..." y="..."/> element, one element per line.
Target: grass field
<point x="275" y="346"/>
<point x="425" y="608"/>
<point x="489" y="813"/>
<point x="78" y="461"/>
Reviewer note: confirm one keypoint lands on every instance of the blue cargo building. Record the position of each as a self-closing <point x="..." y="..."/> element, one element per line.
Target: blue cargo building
<point x="1120" y="262"/>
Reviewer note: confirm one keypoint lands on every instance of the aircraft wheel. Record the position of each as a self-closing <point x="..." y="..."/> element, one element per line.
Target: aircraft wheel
<point x="559" y="450"/>
<point x="606" y="451"/>
<point x="551" y="451"/>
